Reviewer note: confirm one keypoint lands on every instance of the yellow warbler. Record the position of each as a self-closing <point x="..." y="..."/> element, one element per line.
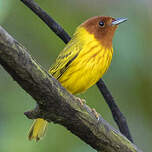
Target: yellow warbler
<point x="83" y="61"/>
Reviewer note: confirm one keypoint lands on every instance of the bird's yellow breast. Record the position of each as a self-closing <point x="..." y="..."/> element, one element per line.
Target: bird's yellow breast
<point x="88" y="67"/>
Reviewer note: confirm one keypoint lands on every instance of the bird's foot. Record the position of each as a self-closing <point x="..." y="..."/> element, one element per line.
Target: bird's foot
<point x="81" y="101"/>
<point x="95" y="113"/>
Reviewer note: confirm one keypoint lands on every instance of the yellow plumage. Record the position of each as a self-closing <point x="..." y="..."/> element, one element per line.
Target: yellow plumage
<point x="38" y="129"/>
<point x="79" y="66"/>
<point x="89" y="61"/>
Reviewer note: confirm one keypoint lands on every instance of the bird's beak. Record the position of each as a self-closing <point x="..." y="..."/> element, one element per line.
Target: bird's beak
<point x="119" y="20"/>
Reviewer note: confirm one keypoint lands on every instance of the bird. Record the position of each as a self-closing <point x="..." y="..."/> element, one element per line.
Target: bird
<point x="83" y="61"/>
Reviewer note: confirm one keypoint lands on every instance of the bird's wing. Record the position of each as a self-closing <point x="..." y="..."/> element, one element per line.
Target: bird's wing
<point x="65" y="58"/>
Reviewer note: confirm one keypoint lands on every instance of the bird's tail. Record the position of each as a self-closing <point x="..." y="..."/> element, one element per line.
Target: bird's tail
<point x="38" y="129"/>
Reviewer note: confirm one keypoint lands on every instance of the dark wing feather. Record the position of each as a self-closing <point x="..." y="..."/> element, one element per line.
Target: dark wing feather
<point x="65" y="58"/>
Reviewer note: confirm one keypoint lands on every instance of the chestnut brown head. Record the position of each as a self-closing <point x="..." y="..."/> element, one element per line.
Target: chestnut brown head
<point x="103" y="28"/>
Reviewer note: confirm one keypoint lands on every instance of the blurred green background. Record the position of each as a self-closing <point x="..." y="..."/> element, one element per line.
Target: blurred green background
<point x="129" y="77"/>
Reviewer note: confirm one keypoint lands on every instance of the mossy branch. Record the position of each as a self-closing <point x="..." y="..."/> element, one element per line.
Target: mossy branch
<point x="54" y="103"/>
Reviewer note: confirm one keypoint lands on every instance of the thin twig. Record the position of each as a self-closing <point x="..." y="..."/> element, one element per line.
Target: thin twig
<point x="52" y="24"/>
<point x="116" y="113"/>
<point x="58" y="30"/>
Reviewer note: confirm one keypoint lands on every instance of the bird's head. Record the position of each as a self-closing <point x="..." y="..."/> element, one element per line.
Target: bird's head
<point x="103" y="28"/>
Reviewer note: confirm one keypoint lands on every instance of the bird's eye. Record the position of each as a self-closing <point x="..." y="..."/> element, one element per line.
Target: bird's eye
<point x="101" y="23"/>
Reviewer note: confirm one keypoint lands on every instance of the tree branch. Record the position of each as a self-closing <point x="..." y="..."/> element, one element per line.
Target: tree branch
<point x="58" y="30"/>
<point x="54" y="103"/>
<point x="117" y="114"/>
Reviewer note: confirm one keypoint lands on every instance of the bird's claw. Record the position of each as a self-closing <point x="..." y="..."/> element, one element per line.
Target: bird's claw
<point x="81" y="101"/>
<point x="95" y="113"/>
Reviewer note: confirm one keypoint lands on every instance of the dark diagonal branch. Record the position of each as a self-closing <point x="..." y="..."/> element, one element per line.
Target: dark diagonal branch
<point x="117" y="115"/>
<point x="52" y="24"/>
<point x="54" y="103"/>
